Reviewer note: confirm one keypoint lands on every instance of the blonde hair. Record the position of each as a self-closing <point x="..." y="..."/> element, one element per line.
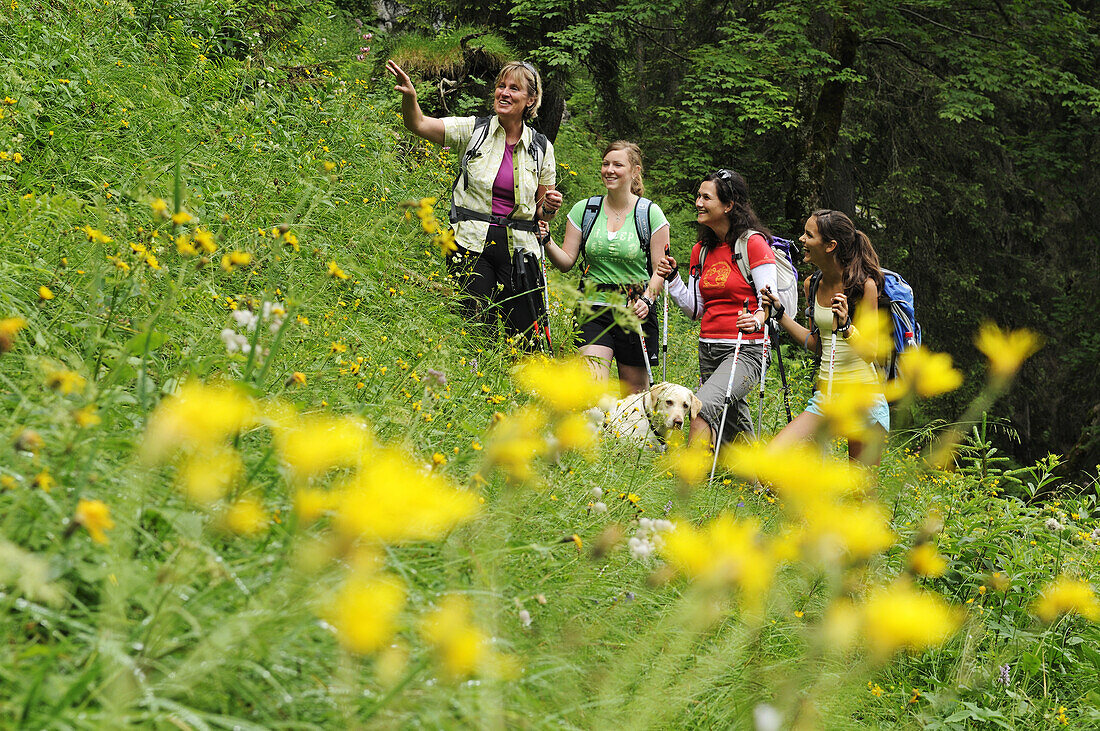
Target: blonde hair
<point x="531" y="81"/>
<point x="634" y="157"/>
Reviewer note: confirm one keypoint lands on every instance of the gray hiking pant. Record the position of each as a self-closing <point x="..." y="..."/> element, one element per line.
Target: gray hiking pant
<point x="715" y="362"/>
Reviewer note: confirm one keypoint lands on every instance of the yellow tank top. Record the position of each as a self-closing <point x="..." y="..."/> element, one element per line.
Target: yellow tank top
<point x="848" y="367"/>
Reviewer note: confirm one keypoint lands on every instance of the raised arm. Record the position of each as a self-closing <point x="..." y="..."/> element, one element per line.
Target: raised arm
<point x="565" y="256"/>
<point x="430" y="128"/>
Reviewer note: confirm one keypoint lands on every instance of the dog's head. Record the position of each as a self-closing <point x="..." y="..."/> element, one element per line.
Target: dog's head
<point x="669" y="406"/>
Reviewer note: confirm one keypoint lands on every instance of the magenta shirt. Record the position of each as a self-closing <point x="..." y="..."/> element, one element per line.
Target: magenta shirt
<point x="504" y="187"/>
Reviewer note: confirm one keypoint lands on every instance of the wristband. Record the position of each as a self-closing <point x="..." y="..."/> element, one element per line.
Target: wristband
<point x="647" y="300"/>
<point x="777" y="312"/>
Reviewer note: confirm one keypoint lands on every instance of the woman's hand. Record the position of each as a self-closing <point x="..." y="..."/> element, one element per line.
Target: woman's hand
<point x="404" y="83"/>
<point x="551" y="202"/>
<point x="748" y="321"/>
<point x="840" y="308"/>
<point x="641" y="309"/>
<point x="665" y="266"/>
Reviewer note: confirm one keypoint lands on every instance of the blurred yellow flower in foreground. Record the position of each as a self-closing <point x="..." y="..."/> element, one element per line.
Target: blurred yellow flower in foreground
<point x="462" y="649"/>
<point x="335" y="271"/>
<point x="1006" y="350"/>
<point x="208" y="474"/>
<point x="313" y="445"/>
<point x="197" y="416"/>
<point x="925" y="373"/>
<point x="45" y="293"/>
<point x="247" y="517"/>
<point x="205" y="240"/>
<point x="65" y="381"/>
<point x="801" y="473"/>
<point x="690" y="463"/>
<point x="925" y="560"/>
<point x="391" y="500"/>
<point x="725" y="551"/>
<point x="901" y="616"/>
<point x="516" y="441"/>
<point x="364" y="612"/>
<point x="575" y="432"/>
<point x="96" y="235"/>
<point x="9" y="328"/>
<point x="564" y="385"/>
<point x="86" y="417"/>
<point x="181" y="217"/>
<point x="160" y="207"/>
<point x="856" y="531"/>
<point x="311" y="503"/>
<point x="846" y="408"/>
<point x="95" y="516"/>
<point x="1067" y="596"/>
<point x="873" y="336"/>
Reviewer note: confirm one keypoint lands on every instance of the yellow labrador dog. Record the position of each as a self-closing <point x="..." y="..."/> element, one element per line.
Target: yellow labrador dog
<point x="647" y="418"/>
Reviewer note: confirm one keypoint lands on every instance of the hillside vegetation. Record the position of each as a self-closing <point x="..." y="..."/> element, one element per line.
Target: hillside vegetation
<point x="259" y="474"/>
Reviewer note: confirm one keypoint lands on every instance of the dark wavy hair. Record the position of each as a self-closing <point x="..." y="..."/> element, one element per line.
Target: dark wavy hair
<point x="854" y="253"/>
<point x="732" y="188"/>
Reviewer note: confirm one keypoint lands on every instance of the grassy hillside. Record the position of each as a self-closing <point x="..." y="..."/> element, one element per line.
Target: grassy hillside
<point x="261" y="475"/>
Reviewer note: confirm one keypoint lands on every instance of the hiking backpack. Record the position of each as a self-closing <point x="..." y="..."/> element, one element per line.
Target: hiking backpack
<point x="786" y="273"/>
<point x="537" y="151"/>
<point x="903" y="314"/>
<point x="641" y="224"/>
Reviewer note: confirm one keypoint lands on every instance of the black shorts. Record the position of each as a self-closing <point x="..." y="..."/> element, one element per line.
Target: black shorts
<point x="626" y="346"/>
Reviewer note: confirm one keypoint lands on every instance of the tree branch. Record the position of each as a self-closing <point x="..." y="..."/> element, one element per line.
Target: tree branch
<point x="926" y="19"/>
<point x="909" y="54"/>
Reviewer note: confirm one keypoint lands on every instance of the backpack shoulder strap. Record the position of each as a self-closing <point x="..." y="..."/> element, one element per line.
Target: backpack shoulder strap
<point x="741" y="254"/>
<point x="473" y="149"/>
<point x="811" y="300"/>
<point x="641" y="223"/>
<point x="591" y="211"/>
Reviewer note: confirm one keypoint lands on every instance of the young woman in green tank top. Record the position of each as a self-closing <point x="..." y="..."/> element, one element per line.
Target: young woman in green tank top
<point x="850" y="279"/>
<point x="615" y="261"/>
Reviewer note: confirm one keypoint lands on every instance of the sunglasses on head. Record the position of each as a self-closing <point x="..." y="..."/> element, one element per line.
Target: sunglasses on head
<point x="723" y="175"/>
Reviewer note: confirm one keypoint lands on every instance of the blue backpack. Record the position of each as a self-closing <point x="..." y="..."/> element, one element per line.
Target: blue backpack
<point x="903" y="314"/>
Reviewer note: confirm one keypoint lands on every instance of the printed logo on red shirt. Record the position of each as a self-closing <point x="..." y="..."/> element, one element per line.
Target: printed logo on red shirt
<point x="715" y="277"/>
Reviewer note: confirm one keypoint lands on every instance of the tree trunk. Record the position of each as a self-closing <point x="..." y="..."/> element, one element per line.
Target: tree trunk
<point x="807" y="191"/>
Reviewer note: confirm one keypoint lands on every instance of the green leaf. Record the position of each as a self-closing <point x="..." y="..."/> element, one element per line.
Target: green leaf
<point x="146" y="342"/>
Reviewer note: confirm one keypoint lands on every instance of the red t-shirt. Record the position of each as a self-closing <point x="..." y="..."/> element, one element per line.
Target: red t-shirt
<point x="724" y="290"/>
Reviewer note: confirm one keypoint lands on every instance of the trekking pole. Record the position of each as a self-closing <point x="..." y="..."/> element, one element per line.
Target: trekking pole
<point x="726" y="401"/>
<point x="546" y="291"/>
<point x="664" y="333"/>
<point x="645" y="357"/>
<point x="763" y="375"/>
<point x="782" y="374"/>
<point x="832" y="356"/>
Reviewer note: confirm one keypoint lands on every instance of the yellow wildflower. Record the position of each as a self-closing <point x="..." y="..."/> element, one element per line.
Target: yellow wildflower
<point x="160" y="207"/>
<point x="516" y="441"/>
<point x="690" y="463"/>
<point x="184" y="246"/>
<point x="799" y="472"/>
<point x="364" y="612"/>
<point x="925" y="560"/>
<point x="575" y="432"/>
<point x="872" y="337"/>
<point x="44" y="481"/>
<point x="725" y="551"/>
<point x="311" y="503"/>
<point x="208" y="474"/>
<point x="391" y="500"/>
<point x="205" y="240"/>
<point x="197" y="415"/>
<point x="9" y="328"/>
<point x="313" y="445"/>
<point x="565" y="385"/>
<point x="44" y="293"/>
<point x="1067" y="596"/>
<point x="1006" y="350"/>
<point x="96" y="235"/>
<point x="181" y="217"/>
<point x="65" y="381"/>
<point x="925" y="373"/>
<point x="247" y="517"/>
<point x="462" y="649"/>
<point x="86" y="417"/>
<point x="900" y="616"/>
<point x="335" y="271"/>
<point x="235" y="259"/>
<point x="846" y="408"/>
<point x="857" y="531"/>
<point x="95" y="516"/>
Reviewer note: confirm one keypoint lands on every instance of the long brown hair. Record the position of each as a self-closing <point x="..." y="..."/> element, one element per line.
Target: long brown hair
<point x="854" y="253"/>
<point x="634" y="157"/>
<point x="732" y="188"/>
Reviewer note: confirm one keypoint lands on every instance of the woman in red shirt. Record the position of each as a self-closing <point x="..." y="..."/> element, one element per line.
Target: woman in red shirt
<point x="727" y="302"/>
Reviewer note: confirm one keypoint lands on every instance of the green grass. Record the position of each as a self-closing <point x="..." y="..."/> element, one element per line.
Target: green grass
<point x="177" y="622"/>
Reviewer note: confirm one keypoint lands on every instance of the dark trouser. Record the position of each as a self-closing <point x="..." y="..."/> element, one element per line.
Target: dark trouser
<point x="491" y="287"/>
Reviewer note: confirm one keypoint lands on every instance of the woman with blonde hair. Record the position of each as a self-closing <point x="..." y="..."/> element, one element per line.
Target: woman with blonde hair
<point x="621" y="236"/>
<point x="505" y="186"/>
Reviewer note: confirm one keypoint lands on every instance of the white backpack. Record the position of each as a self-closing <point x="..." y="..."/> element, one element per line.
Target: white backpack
<point x="786" y="274"/>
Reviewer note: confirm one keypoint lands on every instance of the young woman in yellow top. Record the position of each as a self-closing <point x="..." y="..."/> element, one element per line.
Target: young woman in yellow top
<point x="850" y="279"/>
